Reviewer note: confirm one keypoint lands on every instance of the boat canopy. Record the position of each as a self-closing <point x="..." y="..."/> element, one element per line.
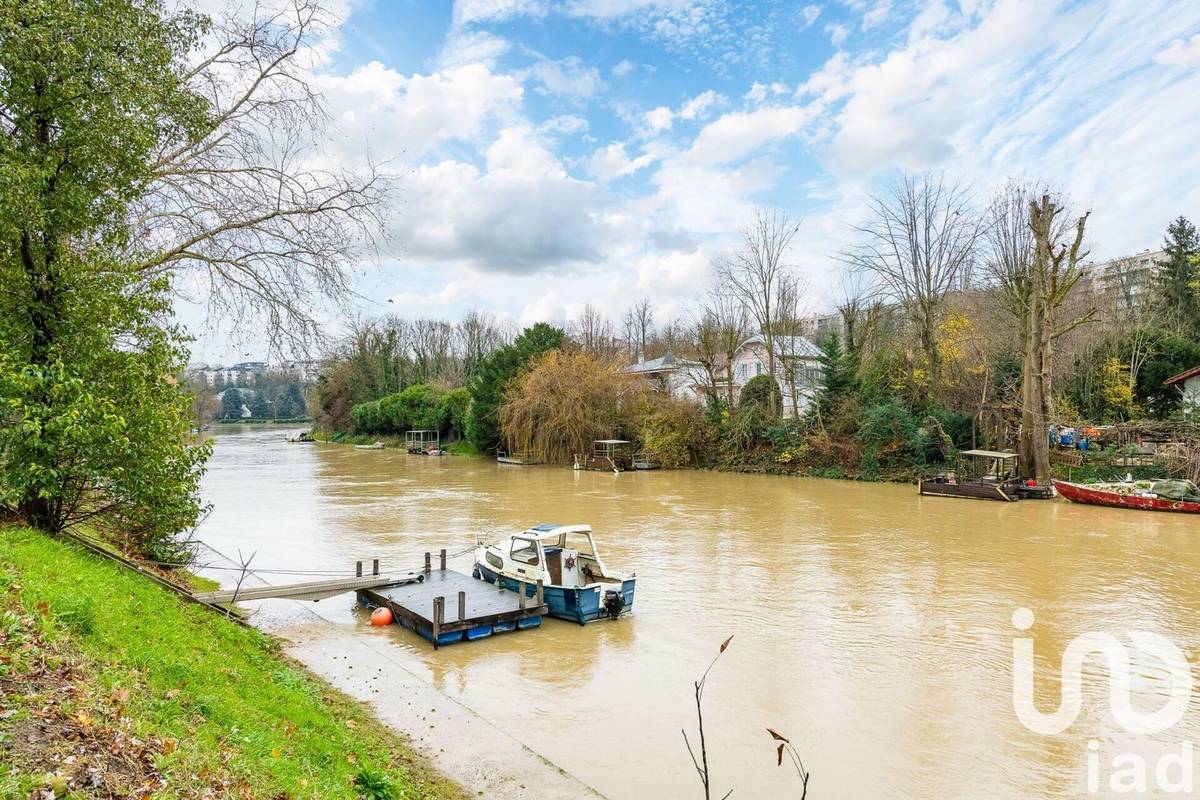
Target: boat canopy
<point x="549" y="531"/>
<point x="1004" y="456"/>
<point x="613" y="441"/>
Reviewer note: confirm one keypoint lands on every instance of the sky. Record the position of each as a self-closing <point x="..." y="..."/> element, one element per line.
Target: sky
<point x="548" y="155"/>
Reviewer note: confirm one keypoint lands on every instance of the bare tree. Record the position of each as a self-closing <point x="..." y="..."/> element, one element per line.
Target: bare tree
<point x="593" y="332"/>
<point x="478" y="336"/>
<point x="730" y="327"/>
<point x="706" y="347"/>
<point x="1053" y="271"/>
<point x="861" y="313"/>
<point x="791" y="347"/>
<point x="753" y="273"/>
<point x="639" y="324"/>
<point x="918" y="246"/>
<point x="236" y="199"/>
<point x="432" y="350"/>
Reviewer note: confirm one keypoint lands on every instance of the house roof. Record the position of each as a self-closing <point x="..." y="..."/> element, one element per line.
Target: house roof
<point x="664" y="364"/>
<point x="1183" y="376"/>
<point x="787" y="344"/>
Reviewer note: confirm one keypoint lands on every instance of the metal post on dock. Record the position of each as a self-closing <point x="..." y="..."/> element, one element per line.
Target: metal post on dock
<point x="428" y="563"/>
<point x="462" y="606"/>
<point x="375" y="566"/>
<point x="539" y="592"/>
<point x="443" y="560"/>
<point x="439" y="611"/>
<point x="358" y="569"/>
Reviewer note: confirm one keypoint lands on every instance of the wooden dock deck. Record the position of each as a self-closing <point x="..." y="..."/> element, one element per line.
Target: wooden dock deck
<point x="477" y="609"/>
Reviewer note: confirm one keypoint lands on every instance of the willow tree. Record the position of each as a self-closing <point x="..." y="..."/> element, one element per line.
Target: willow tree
<point x="1035" y="260"/>
<point x="141" y="149"/>
<point x="563" y="402"/>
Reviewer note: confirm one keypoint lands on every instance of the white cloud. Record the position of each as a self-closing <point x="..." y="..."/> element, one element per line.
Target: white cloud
<point x="610" y="9"/>
<point x="521" y="214"/>
<point x="469" y="46"/>
<point x="1084" y="96"/>
<point x="837" y="33"/>
<point x="1181" y="53"/>
<point x="660" y="119"/>
<point x="699" y="106"/>
<point x="623" y="68"/>
<point x="409" y="115"/>
<point x="468" y="11"/>
<point x="738" y="134"/>
<point x="564" y="124"/>
<point x="757" y="93"/>
<point x="674" y="273"/>
<point x="810" y="14"/>
<point x="876" y="14"/>
<point x="568" y="77"/>
<point x="611" y="162"/>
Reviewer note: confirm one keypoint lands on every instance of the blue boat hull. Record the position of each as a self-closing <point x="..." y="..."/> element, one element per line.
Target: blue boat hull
<point x="582" y="605"/>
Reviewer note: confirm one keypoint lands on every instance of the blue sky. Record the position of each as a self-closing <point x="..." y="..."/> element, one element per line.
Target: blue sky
<point x="552" y="154"/>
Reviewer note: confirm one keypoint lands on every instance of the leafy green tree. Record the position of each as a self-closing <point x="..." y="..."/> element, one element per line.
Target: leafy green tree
<point x="762" y="393"/>
<point x="231" y="403"/>
<point x="487" y="388"/>
<point x="452" y="412"/>
<point x="259" y="407"/>
<point x="94" y="427"/>
<point x="291" y="402"/>
<point x="838" y="375"/>
<point x="892" y="440"/>
<point x="1178" y="278"/>
<point x="1171" y="356"/>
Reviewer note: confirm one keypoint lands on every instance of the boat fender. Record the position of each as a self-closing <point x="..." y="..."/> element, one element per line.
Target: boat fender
<point x="476" y="574"/>
<point x="381" y="616"/>
<point x="614" y="603"/>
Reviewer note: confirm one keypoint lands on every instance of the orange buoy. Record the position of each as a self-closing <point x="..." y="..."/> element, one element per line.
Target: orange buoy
<point x="381" y="616"/>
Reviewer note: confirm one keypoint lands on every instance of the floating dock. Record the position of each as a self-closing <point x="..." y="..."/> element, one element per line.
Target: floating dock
<point x="448" y="606"/>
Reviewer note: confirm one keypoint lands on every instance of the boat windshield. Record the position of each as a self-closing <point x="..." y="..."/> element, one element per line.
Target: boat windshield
<point x="524" y="550"/>
<point x="580" y="542"/>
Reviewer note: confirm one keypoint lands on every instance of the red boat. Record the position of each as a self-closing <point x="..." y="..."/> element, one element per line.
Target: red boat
<point x="1078" y="493"/>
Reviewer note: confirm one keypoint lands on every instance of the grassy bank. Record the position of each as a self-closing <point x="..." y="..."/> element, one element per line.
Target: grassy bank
<point x="111" y="686"/>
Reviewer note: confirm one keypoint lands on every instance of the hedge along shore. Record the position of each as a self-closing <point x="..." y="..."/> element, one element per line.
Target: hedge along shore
<point x="112" y="686"/>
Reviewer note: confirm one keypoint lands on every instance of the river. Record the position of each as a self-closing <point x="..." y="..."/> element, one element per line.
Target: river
<point x="871" y="626"/>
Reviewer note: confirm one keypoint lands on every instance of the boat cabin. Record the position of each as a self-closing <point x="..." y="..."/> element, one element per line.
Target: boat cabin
<point x="564" y="561"/>
<point x="608" y="455"/>
<point x="559" y="555"/>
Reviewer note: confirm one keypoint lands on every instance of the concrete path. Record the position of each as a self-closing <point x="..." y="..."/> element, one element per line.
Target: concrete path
<point x="461" y="744"/>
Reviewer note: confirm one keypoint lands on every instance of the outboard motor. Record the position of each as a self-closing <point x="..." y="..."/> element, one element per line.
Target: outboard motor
<point x="614" y="603"/>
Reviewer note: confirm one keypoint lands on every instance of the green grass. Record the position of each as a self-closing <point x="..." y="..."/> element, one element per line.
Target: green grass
<point x="237" y="713"/>
<point x="463" y="448"/>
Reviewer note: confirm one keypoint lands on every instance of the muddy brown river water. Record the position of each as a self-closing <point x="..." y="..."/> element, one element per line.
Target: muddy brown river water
<point x="872" y="626"/>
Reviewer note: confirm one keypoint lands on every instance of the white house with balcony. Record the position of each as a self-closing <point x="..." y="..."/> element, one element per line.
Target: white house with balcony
<point x="795" y="357"/>
<point x="679" y="377"/>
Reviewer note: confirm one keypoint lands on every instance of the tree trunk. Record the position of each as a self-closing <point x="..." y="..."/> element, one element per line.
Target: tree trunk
<point x="1036" y="412"/>
<point x="929" y="344"/>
